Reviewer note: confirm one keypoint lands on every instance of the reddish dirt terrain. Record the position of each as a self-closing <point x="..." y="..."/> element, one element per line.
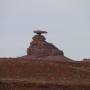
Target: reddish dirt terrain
<point x="25" y="74"/>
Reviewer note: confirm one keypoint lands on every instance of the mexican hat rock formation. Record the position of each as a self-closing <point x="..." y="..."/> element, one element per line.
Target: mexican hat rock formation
<point x="40" y="47"/>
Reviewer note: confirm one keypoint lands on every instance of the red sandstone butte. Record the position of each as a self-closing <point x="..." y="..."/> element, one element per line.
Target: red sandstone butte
<point x="43" y="68"/>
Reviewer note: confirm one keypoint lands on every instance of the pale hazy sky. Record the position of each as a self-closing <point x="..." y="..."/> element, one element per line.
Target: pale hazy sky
<point x="67" y="23"/>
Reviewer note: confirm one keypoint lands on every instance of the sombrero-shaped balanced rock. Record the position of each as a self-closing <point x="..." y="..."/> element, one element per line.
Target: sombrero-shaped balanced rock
<point x="39" y="47"/>
<point x="39" y="32"/>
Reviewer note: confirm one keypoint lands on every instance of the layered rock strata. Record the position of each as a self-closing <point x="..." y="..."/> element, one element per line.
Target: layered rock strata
<point x="39" y="47"/>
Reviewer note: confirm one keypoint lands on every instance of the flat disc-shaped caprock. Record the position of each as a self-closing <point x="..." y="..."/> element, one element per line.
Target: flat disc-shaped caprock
<point x="39" y="32"/>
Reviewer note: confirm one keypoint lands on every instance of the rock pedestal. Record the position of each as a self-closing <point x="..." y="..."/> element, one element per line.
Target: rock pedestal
<point x="39" y="47"/>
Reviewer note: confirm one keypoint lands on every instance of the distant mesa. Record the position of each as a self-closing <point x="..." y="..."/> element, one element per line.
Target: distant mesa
<point x="39" y="47"/>
<point x="86" y="60"/>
